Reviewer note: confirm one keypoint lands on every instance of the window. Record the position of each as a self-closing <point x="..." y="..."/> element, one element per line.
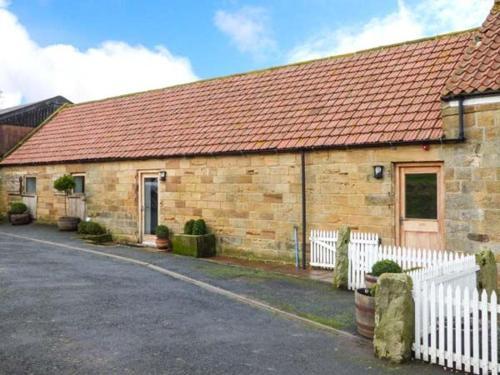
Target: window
<point x="79" y="184"/>
<point x="30" y="185"/>
<point x="421" y="196"/>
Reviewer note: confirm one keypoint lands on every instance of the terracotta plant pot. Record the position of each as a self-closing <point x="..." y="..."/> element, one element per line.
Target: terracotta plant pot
<point x="370" y="280"/>
<point x="163" y="244"/>
<point x="68" y="223"/>
<point x="20" y="219"/>
<point x="365" y="312"/>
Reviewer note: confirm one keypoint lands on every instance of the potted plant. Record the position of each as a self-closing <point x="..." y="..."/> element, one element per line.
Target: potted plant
<point x="365" y="297"/>
<point x="196" y="241"/>
<point x="93" y="232"/>
<point x="380" y="267"/>
<point x="66" y="184"/>
<point x="19" y="214"/>
<point x="163" y="238"/>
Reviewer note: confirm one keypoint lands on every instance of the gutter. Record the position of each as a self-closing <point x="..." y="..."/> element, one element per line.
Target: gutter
<point x="303" y="189"/>
<point x="437" y="141"/>
<point x="461" y="125"/>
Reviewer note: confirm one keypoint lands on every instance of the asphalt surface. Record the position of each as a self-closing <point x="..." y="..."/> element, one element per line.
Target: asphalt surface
<point x="69" y="312"/>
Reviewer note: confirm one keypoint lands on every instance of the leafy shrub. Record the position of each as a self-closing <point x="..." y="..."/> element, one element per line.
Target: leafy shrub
<point x="91" y="227"/>
<point x="385" y="266"/>
<point x="162" y="232"/>
<point x="188" y="227"/>
<point x="199" y="227"/>
<point x="17" y="208"/>
<point x="65" y="184"/>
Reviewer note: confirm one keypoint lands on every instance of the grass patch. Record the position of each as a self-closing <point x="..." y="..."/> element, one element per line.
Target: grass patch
<point x="234" y="272"/>
<point x="339" y="321"/>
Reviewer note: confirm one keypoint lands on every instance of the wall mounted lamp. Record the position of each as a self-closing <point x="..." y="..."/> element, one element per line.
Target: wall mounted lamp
<point x="378" y="172"/>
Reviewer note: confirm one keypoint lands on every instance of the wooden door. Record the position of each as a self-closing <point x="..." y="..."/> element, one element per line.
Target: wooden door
<point x="420" y="206"/>
<point x="149" y="206"/>
<point x="77" y="206"/>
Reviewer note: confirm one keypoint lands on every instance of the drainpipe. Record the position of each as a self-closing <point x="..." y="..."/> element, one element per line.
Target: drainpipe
<point x="461" y="126"/>
<point x="304" y="226"/>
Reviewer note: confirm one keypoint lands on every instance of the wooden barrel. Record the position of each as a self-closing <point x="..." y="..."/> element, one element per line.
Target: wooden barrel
<point x="365" y="313"/>
<point x="370" y="280"/>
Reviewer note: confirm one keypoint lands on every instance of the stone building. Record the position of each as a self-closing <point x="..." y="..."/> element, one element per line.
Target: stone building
<point x="400" y="140"/>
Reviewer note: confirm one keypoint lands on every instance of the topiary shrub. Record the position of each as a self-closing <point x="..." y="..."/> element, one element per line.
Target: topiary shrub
<point x="91" y="227"/>
<point x="162" y="232"/>
<point x="17" y="208"/>
<point x="385" y="266"/>
<point x="199" y="227"/>
<point x="65" y="184"/>
<point x="188" y="227"/>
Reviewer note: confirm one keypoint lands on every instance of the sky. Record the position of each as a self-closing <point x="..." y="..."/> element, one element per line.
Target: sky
<point x="92" y="49"/>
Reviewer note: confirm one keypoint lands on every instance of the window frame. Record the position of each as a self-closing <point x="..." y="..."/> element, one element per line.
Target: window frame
<point x="84" y="184"/>
<point x="25" y="185"/>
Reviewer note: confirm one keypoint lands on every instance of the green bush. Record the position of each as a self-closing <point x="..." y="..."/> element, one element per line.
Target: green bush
<point x="17" y="208"/>
<point x="188" y="227"/>
<point x="65" y="184"/>
<point x="385" y="266"/>
<point x="199" y="227"/>
<point x="162" y="232"/>
<point x="91" y="227"/>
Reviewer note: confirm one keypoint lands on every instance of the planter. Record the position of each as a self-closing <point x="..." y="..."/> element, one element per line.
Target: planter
<point x="370" y="280"/>
<point x="195" y="246"/>
<point x="20" y="219"/>
<point x="163" y="244"/>
<point x="365" y="312"/>
<point x="68" y="223"/>
<point x="97" y="238"/>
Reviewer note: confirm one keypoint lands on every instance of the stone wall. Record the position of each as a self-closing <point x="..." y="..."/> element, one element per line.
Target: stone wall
<point x="252" y="202"/>
<point x="472" y="178"/>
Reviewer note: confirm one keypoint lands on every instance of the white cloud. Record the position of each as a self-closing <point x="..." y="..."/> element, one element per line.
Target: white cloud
<point x="29" y="72"/>
<point x="248" y="28"/>
<point x="429" y="17"/>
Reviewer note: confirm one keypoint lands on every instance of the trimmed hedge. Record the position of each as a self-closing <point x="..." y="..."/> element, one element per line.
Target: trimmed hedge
<point x="385" y="266"/>
<point x="91" y="227"/>
<point x="199" y="227"/>
<point x="17" y="208"/>
<point x="162" y="232"/>
<point x="188" y="227"/>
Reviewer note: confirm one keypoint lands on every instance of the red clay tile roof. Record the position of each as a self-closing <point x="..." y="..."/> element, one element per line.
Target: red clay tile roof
<point x="479" y="69"/>
<point x="386" y="95"/>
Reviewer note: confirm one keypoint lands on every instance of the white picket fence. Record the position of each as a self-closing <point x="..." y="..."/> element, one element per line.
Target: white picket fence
<point x="460" y="271"/>
<point x="324" y="246"/>
<point x="362" y="258"/>
<point x="456" y="328"/>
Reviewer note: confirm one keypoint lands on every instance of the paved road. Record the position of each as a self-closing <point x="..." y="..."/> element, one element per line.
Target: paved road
<point x="63" y="311"/>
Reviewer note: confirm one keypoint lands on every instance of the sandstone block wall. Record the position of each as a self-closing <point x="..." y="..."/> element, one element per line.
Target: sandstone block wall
<point x="472" y="178"/>
<point x="251" y="202"/>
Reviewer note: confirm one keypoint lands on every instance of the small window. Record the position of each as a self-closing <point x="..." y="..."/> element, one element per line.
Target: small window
<point x="79" y="184"/>
<point x="30" y="187"/>
<point x="421" y="196"/>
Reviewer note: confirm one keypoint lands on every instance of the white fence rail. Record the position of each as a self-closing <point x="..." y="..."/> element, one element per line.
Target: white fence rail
<point x="461" y="272"/>
<point x="456" y="328"/>
<point x="362" y="258"/>
<point x="324" y="246"/>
